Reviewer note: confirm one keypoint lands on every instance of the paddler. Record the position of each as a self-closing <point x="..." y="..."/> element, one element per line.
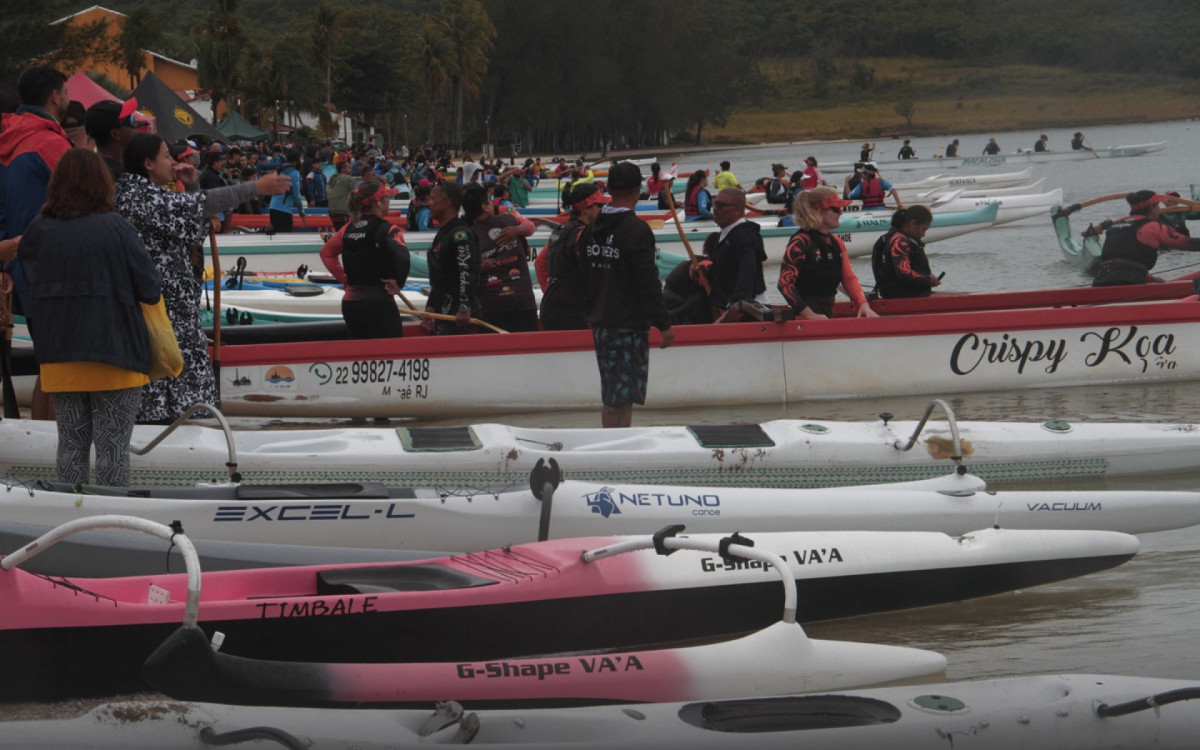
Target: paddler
<point x="1131" y="244"/>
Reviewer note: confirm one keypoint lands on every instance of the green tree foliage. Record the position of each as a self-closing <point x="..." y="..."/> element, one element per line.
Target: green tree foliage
<point x="219" y="45"/>
<point x="142" y="31"/>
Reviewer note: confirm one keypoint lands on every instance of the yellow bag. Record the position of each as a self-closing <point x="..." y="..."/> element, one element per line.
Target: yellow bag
<point x="165" y="359"/>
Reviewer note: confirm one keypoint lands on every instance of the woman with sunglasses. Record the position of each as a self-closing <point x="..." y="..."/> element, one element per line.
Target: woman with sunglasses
<point x="816" y="261"/>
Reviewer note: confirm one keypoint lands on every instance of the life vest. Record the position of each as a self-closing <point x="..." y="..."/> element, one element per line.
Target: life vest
<point x="819" y="274"/>
<point x="691" y="206"/>
<point x="508" y="285"/>
<point x="777" y="192"/>
<point x="872" y="192"/>
<point x="1121" y="243"/>
<point x="365" y="254"/>
<point x="888" y="281"/>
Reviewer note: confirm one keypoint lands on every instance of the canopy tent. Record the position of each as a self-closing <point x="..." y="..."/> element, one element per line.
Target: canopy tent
<point x="236" y="128"/>
<point x="176" y="120"/>
<point x="87" y="92"/>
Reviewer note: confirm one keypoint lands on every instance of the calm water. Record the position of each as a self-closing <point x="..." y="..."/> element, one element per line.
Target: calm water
<point x="1137" y="619"/>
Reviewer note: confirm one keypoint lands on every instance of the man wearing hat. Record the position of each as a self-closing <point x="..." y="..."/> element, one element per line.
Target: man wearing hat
<point x="873" y="188"/>
<point x="110" y="124"/>
<point x="624" y="297"/>
<point x="1131" y="244"/>
<point x="778" y="189"/>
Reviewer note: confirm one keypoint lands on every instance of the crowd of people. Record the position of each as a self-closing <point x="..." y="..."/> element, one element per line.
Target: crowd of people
<point x="89" y="231"/>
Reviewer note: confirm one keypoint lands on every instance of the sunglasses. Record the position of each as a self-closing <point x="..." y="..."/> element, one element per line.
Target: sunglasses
<point x="836" y="209"/>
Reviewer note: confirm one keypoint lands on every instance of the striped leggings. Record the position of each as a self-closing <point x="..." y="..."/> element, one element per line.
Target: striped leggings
<point x="102" y="418"/>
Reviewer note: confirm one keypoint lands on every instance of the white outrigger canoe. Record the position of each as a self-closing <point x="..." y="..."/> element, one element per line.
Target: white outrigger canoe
<point x="286" y="252"/>
<point x="778" y="453"/>
<point x="460" y="518"/>
<point x="1051" y="712"/>
<point x="1004" y="160"/>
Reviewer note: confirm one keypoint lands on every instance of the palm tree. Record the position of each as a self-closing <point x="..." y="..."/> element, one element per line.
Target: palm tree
<point x="141" y="31"/>
<point x="433" y="54"/>
<point x="469" y="32"/>
<point x="324" y="30"/>
<point x="219" y="44"/>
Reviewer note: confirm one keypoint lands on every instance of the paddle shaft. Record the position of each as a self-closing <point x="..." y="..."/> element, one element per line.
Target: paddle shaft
<point x="686" y="245"/>
<point x="440" y="316"/>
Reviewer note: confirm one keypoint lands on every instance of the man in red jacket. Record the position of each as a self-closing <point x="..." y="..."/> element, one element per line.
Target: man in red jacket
<point x="31" y="143"/>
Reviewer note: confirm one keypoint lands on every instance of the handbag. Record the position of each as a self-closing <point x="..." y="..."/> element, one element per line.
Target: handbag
<point x="165" y="359"/>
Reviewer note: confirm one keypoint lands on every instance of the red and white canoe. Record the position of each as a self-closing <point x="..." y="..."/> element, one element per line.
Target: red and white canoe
<point x="784" y="363"/>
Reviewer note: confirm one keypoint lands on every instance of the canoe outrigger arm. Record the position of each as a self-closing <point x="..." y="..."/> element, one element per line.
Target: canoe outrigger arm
<point x="732" y="546"/>
<point x="231" y="466"/>
<point x="173" y="534"/>
<point x="957" y="457"/>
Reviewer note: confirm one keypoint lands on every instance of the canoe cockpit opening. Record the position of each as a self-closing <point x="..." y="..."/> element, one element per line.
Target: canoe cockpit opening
<point x="789" y="714"/>
<point x="731" y="436"/>
<point x="393" y="578"/>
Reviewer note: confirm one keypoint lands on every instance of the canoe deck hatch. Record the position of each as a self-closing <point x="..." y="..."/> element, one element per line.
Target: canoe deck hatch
<point x="731" y="435"/>
<point x="788" y="714"/>
<point x="438" y="439"/>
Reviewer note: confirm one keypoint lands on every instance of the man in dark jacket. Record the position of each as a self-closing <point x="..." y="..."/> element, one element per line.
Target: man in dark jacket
<point x="737" y="269"/>
<point x="454" y="262"/>
<point x="623" y="298"/>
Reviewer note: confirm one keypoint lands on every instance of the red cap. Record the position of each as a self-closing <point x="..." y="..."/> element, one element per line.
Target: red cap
<point x="128" y="107"/>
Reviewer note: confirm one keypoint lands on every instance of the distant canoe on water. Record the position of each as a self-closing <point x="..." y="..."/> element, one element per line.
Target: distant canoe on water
<point x="1003" y="160"/>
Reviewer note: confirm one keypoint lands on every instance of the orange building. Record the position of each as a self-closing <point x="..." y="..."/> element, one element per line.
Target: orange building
<point x="177" y="75"/>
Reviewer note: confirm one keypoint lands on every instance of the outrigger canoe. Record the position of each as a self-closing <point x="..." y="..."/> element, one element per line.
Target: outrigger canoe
<point x="464" y="518"/>
<point x="777" y="659"/>
<point x="1050" y="712"/>
<point x="80" y="636"/>
<point x="779" y="453"/>
<point x="786" y="362"/>
<point x="312" y="372"/>
<point x="1005" y="160"/>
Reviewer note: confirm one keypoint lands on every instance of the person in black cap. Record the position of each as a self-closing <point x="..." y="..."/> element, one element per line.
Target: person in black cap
<point x="72" y="124"/>
<point x="1131" y="244"/>
<point x="558" y="263"/>
<point x="110" y="124"/>
<point x="624" y="297"/>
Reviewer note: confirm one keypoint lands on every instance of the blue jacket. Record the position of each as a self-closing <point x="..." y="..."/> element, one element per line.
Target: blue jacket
<point x="289" y="201"/>
<point x="31" y="143"/>
<point x="86" y="276"/>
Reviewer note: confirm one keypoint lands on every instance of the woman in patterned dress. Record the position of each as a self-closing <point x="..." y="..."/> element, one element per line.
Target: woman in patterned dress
<point x="170" y="222"/>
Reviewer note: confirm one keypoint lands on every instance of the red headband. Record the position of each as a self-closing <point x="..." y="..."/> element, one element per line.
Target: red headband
<point x="1152" y="200"/>
<point x="591" y="200"/>
<point x="831" y="202"/>
<point x="383" y="192"/>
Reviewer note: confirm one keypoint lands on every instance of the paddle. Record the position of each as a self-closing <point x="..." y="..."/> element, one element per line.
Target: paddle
<point x="1068" y="210"/>
<point x="412" y="310"/>
<point x="216" y="265"/>
<point x="687" y="245"/>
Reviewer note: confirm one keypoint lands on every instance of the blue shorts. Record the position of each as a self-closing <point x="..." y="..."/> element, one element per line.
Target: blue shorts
<point x="623" y="356"/>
